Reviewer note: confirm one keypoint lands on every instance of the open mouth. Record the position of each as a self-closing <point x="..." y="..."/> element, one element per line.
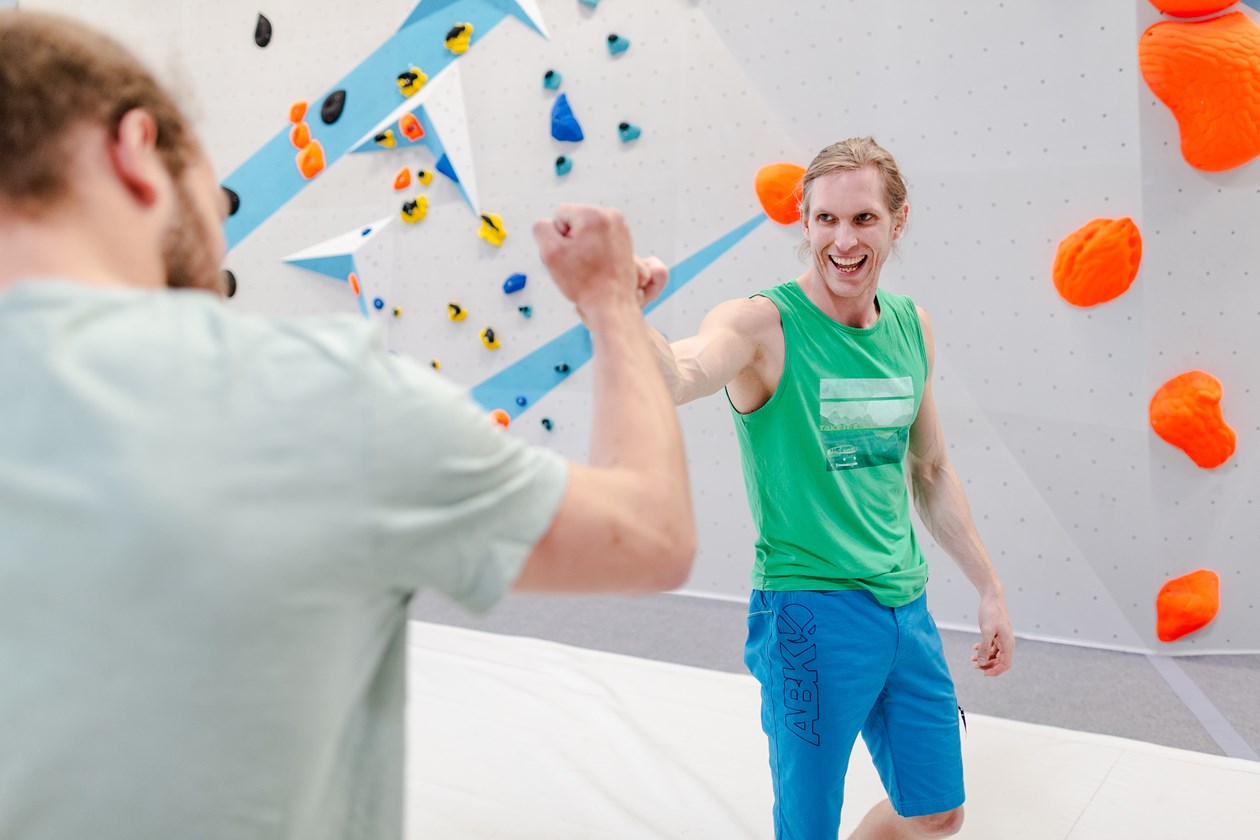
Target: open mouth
<point x="848" y="265"/>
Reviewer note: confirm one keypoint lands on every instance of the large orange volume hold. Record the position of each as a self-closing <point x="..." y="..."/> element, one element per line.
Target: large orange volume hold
<point x="1098" y="262"/>
<point x="1192" y="8"/>
<point x="779" y="191"/>
<point x="1186" y="412"/>
<point x="1187" y="604"/>
<point x="1208" y="74"/>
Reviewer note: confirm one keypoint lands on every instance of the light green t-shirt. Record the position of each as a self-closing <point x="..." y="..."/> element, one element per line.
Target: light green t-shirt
<point x="210" y="528"/>
<point x="825" y="458"/>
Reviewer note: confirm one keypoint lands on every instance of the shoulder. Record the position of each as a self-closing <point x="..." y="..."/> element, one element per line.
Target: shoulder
<point x="747" y="315"/>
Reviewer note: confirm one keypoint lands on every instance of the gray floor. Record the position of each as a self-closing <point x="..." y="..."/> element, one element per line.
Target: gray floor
<point x="1058" y="685"/>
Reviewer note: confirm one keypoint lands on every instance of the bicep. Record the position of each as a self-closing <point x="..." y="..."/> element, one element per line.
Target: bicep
<point x="601" y="541"/>
<point x="725" y="345"/>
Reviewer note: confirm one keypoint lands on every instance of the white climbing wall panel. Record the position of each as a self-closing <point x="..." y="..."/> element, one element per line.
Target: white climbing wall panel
<point x="1014" y="122"/>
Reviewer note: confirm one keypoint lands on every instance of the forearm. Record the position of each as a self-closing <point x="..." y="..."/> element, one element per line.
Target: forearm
<point x="635" y="427"/>
<point x="943" y="509"/>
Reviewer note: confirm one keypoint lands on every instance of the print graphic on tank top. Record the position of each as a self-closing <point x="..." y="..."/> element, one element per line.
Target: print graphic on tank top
<point x="865" y="422"/>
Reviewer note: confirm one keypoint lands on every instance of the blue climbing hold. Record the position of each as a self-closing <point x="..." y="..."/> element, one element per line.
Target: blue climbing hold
<point x="365" y="232"/>
<point x="617" y="44"/>
<point x="521" y="401"/>
<point x="378" y="303"/>
<point x="628" y="132"/>
<point x="444" y="166"/>
<point x="527" y="311"/>
<point x="514" y="284"/>
<point x="564" y="126"/>
<point x="551" y="80"/>
<point x="564" y="165"/>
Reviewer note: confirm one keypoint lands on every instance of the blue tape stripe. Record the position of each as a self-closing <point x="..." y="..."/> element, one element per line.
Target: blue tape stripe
<point x="270" y="178"/>
<point x="534" y="376"/>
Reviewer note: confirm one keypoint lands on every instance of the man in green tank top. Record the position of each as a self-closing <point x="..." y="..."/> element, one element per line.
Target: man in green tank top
<point x="829" y="382"/>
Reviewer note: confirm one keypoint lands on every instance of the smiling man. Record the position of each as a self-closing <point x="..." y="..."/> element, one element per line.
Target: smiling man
<point x="829" y="381"/>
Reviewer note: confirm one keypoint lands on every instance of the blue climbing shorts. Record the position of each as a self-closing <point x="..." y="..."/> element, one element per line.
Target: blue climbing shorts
<point x="835" y="664"/>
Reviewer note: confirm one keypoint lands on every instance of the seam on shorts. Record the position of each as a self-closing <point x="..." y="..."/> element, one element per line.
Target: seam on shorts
<point x="761" y="612"/>
<point x="776" y="678"/>
<point x="894" y="796"/>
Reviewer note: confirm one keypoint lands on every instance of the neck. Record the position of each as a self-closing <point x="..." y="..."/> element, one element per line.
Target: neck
<point x="860" y="311"/>
<point x="58" y="249"/>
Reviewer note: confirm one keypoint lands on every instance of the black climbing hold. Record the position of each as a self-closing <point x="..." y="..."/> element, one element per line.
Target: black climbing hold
<point x="333" y="106"/>
<point x="229" y="283"/>
<point x="612" y="38"/>
<point x="623" y="126"/>
<point x="234" y="201"/>
<point x="562" y="368"/>
<point x="489" y="336"/>
<point x="490" y="222"/>
<point x="456" y="31"/>
<point x="549" y="74"/>
<point x="546" y="423"/>
<point x="262" y="31"/>
<point x="560" y="160"/>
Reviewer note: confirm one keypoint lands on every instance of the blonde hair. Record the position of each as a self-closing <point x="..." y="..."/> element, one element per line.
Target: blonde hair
<point x="855" y="153"/>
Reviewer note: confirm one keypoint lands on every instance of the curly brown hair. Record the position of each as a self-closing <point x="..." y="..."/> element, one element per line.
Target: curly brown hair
<point x="55" y="75"/>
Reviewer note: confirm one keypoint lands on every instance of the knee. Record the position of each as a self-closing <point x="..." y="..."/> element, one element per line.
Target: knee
<point x="944" y="824"/>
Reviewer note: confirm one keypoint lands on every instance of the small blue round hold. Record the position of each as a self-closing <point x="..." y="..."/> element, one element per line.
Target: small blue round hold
<point x="514" y="284"/>
<point x="564" y="165"/>
<point x="628" y="131"/>
<point x="378" y="303"/>
<point x="521" y="401"/>
<point x="617" y="44"/>
<point x="551" y="80"/>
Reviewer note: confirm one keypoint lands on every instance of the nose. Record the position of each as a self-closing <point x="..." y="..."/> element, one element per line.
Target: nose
<point x="845" y="236"/>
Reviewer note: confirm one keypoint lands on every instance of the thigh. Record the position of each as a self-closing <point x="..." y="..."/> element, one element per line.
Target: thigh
<point x="821" y="659"/>
<point x="912" y="731"/>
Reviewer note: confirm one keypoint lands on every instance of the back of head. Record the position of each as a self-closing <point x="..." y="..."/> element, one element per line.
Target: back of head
<point x="56" y="75"/>
<point x="851" y="154"/>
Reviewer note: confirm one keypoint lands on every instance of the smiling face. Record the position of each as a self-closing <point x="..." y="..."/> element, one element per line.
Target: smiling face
<point x="851" y="231"/>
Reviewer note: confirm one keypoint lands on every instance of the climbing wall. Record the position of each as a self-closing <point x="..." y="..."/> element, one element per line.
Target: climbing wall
<point x="1016" y="125"/>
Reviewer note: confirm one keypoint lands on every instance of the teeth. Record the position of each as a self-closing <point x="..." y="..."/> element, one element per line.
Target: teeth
<point x="847" y="263"/>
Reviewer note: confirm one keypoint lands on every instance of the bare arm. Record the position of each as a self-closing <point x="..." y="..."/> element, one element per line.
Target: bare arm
<point x="726" y="344"/>
<point x="625" y="522"/>
<point x="942" y="505"/>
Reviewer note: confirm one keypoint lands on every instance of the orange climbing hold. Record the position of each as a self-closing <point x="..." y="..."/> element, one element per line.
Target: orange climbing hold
<point x="1098" y="262"/>
<point x="297" y="111"/>
<point x="403" y="179"/>
<point x="1192" y="8"/>
<point x="310" y="160"/>
<point x="354" y="283"/>
<point x="1208" y="74"/>
<point x="1186" y="412"/>
<point x="1186" y="604"/>
<point x="779" y="191"/>
<point x="411" y="127"/>
<point x="300" y="135"/>
<point x="501" y="417"/>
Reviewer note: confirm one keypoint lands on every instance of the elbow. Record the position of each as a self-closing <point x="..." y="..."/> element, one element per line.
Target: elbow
<point x="672" y="551"/>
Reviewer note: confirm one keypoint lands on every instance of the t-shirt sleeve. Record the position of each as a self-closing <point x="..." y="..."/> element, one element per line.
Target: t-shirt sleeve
<point x="459" y="503"/>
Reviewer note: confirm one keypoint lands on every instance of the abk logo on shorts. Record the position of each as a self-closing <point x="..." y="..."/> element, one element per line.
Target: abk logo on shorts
<point x="796" y="628"/>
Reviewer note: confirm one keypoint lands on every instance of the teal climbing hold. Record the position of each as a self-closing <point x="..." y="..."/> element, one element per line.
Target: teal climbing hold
<point x="628" y="132"/>
<point x="617" y="44"/>
<point x="564" y="126"/>
<point x="527" y="311"/>
<point x="551" y="80"/>
<point x="563" y="165"/>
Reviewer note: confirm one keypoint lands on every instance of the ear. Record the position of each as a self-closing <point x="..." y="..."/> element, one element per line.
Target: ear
<point x="135" y="157"/>
<point x="899" y="221"/>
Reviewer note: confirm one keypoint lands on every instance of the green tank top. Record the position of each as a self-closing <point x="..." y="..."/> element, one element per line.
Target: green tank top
<point x="825" y="458"/>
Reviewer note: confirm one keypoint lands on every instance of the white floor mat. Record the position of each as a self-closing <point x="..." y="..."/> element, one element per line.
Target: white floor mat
<point x="521" y="738"/>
